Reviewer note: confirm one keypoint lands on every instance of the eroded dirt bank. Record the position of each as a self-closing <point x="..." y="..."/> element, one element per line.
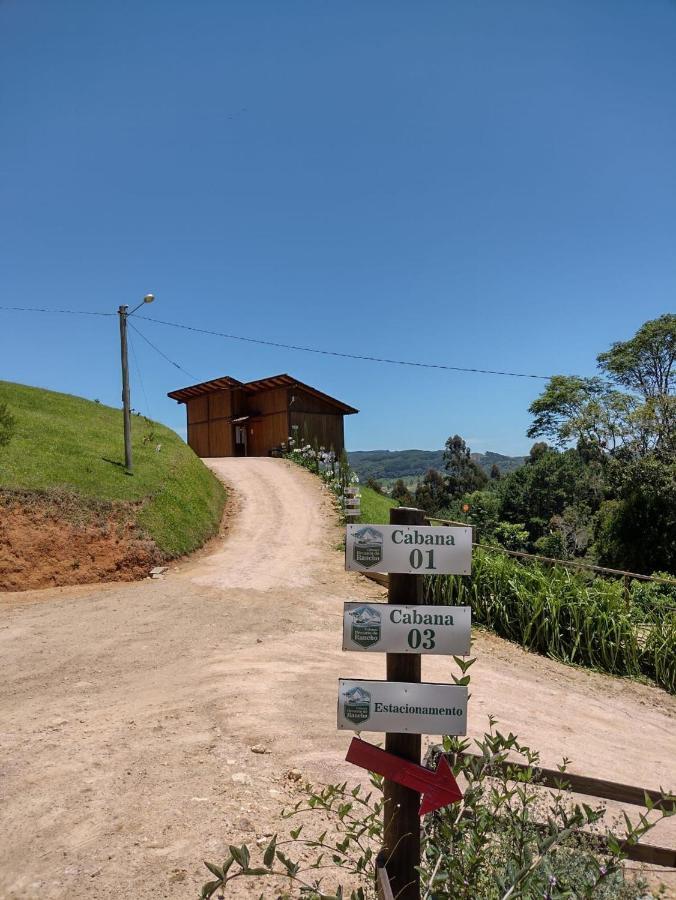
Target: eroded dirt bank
<point x="51" y="539"/>
<point x="128" y="712"/>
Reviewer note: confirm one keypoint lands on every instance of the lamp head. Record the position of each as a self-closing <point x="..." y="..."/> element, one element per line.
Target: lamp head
<point x="149" y="298"/>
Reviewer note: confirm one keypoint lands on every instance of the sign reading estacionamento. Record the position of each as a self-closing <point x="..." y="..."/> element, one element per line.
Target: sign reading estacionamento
<point x="402" y="707"/>
<point x="413" y="549"/>
<point x="389" y="628"/>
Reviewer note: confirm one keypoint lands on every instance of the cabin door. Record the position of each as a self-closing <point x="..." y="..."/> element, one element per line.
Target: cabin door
<point x="240" y="440"/>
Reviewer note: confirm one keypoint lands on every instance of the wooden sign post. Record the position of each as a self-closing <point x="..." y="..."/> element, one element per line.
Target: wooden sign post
<point x="401" y="847"/>
<point x="401" y="706"/>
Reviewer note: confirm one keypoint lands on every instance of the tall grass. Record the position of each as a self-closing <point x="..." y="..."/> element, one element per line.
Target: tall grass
<point x="570" y="617"/>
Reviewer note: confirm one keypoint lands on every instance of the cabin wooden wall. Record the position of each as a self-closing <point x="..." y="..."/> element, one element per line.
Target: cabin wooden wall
<point x="273" y="416"/>
<point x="265" y="433"/>
<point x="318" y="422"/>
<point x="270" y="427"/>
<point x="209" y="431"/>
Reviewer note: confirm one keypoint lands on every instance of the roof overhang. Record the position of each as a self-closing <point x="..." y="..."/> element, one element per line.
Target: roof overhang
<point x="256" y="387"/>
<point x="205" y="387"/>
<point x="276" y="381"/>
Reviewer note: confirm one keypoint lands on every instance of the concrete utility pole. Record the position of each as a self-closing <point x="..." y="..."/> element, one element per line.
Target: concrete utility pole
<point x="126" y="402"/>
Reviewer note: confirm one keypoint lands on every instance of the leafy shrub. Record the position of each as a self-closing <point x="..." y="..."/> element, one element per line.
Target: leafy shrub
<point x="509" y="837"/>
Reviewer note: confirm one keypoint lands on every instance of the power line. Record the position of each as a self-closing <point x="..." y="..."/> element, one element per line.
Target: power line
<point x="283" y="346"/>
<point x="157" y="349"/>
<point x="67" y="312"/>
<point x="140" y="377"/>
<point x="343" y="355"/>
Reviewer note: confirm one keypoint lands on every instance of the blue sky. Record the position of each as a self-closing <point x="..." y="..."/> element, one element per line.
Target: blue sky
<point x="483" y="184"/>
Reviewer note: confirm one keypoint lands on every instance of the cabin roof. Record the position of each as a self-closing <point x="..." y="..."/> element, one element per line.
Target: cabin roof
<point x="204" y="387"/>
<point x="256" y="387"/>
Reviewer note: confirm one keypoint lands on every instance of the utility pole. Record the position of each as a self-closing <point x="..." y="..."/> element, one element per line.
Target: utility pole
<point x="126" y="402"/>
<point x="126" y="405"/>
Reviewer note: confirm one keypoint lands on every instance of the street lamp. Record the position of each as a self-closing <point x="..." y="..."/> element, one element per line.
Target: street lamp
<point x="126" y="402"/>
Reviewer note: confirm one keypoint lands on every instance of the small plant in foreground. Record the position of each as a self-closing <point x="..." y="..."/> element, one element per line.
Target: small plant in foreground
<point x="509" y="837"/>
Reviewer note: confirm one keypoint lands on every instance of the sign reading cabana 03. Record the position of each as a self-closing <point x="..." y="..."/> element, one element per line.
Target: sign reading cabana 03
<point x="413" y="549"/>
<point x="390" y="628"/>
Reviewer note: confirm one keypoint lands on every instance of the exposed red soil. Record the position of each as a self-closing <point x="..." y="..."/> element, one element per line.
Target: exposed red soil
<point x="49" y="540"/>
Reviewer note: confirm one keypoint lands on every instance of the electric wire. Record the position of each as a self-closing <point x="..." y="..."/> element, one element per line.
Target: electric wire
<point x="279" y="344"/>
<point x="157" y="350"/>
<point x="140" y="377"/>
<point x="343" y="355"/>
<point x="67" y="312"/>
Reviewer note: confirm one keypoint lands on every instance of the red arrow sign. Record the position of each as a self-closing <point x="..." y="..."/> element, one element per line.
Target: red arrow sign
<point x="438" y="787"/>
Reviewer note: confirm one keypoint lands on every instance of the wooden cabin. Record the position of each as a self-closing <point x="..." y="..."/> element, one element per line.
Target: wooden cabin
<point x="227" y="417"/>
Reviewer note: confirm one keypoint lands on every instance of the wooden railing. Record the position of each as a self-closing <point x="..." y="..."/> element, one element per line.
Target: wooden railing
<point x="598" y="787"/>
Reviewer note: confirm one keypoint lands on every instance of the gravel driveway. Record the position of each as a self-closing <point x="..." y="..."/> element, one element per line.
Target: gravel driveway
<point x="128" y="711"/>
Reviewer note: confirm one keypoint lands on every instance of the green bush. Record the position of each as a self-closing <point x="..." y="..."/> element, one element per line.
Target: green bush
<point x="509" y="837"/>
<point x="573" y="618"/>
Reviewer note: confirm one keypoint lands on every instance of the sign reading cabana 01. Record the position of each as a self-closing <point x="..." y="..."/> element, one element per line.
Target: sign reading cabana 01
<point x="413" y="549"/>
<point x="390" y="628"/>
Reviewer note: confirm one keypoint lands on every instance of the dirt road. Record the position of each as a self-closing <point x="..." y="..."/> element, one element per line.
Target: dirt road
<point x="128" y="711"/>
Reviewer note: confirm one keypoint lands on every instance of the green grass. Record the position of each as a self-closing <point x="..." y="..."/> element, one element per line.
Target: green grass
<point x="67" y="443"/>
<point x="375" y="507"/>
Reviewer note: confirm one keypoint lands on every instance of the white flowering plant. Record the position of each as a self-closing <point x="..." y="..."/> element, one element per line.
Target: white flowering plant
<point x="334" y="470"/>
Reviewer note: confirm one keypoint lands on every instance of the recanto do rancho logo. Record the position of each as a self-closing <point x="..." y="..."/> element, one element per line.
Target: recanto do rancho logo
<point x="356" y="705"/>
<point x="365" y="626"/>
<point x="368" y="546"/>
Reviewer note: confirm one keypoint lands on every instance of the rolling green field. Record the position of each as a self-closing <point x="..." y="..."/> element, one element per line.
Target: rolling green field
<point x="67" y="443"/>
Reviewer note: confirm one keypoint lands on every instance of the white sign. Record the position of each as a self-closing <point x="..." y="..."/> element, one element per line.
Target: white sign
<point x="415" y="549"/>
<point x="389" y="628"/>
<point x="402" y="707"/>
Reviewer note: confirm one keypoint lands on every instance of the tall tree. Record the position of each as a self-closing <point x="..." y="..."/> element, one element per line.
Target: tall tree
<point x="401" y="493"/>
<point x="431" y="494"/>
<point x="595" y="411"/>
<point x="463" y="474"/>
<point x="646" y="363"/>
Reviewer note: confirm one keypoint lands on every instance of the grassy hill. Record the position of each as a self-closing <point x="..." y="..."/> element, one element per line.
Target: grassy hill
<point x="393" y="464"/>
<point x="66" y="444"/>
<point x="375" y="507"/>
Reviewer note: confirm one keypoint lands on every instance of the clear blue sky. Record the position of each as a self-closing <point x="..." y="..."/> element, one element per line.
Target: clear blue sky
<point x="487" y="184"/>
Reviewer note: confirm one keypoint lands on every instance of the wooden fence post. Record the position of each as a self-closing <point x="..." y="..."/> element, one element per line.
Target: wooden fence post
<point x="401" y="849"/>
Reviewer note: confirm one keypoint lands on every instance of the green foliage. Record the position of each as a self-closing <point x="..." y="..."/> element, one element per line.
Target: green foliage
<point x="588" y="410"/>
<point x="431" y="493"/>
<point x="509" y="837"/>
<point x="645" y="364"/>
<point x="547" y="485"/>
<point x="483" y="512"/>
<point x="401" y="493"/>
<point x="638" y="530"/>
<point x="573" y="618"/>
<point x="463" y="475"/>
<point x="551" y="545"/>
<point x="511" y="536"/>
<point x="593" y="411"/>
<point x="7" y="425"/>
<point x="65" y="442"/>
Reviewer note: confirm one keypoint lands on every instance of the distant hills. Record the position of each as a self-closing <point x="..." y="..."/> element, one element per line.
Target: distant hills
<point x="408" y="464"/>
